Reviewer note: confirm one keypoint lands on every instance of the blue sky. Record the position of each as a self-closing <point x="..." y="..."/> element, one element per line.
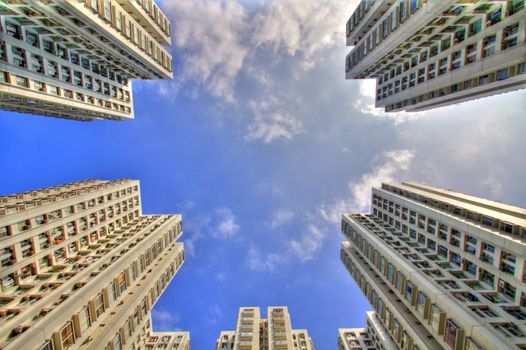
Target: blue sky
<point x="261" y="144"/>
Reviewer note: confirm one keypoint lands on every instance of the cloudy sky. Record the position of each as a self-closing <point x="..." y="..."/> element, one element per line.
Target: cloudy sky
<point x="261" y="144"/>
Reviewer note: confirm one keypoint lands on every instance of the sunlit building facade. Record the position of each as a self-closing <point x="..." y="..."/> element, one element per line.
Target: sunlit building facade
<point x="81" y="267"/>
<point x="442" y="270"/>
<point x="255" y="333"/>
<point x="373" y="337"/>
<point x="76" y="59"/>
<point x="167" y="341"/>
<point x="428" y="54"/>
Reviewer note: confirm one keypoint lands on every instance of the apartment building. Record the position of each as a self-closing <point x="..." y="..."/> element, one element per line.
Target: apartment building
<point x="373" y="337"/>
<point x="255" y="333"/>
<point x="76" y="59"/>
<point x="428" y="54"/>
<point x="167" y="340"/>
<point x="81" y="267"/>
<point x="442" y="270"/>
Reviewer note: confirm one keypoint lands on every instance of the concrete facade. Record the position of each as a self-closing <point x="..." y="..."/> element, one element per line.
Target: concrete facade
<point x="255" y="333"/>
<point x="428" y="54"/>
<point x="442" y="270"/>
<point x="76" y="59"/>
<point x="81" y="267"/>
<point x="373" y="337"/>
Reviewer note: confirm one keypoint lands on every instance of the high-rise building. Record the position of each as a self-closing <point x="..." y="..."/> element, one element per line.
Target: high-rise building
<point x="427" y="54"/>
<point x="373" y="337"/>
<point x="167" y="340"/>
<point x="81" y="267"/>
<point x="255" y="333"/>
<point x="76" y="59"/>
<point x="442" y="270"/>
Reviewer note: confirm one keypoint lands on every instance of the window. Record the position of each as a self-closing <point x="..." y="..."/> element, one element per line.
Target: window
<point x="508" y="262"/>
<point x="415" y="5"/>
<point x="495" y="16"/>
<point x="127" y="329"/>
<point x="399" y="278"/>
<point x="516" y="312"/>
<point x="451" y="333"/>
<point x="508" y="329"/>
<point x="62" y="52"/>
<point x="403" y="10"/>
<point x="18" y="56"/>
<point x="117" y="345"/>
<point x="85" y="320"/>
<point x="409" y="291"/>
<point x="127" y="27"/>
<point x="515" y="6"/>
<point x="32" y="39"/>
<point x="77" y="78"/>
<point x="502" y="74"/>
<point x="475" y="27"/>
<point x="456" y="60"/>
<point x="65" y="74"/>
<point x="48" y="345"/>
<point x="421" y="302"/>
<point x="13" y="30"/>
<point x="122" y="282"/>
<point x="112" y="291"/>
<point x="20" y="81"/>
<point x="118" y="21"/>
<point x="436" y="319"/>
<point x="390" y="270"/>
<point x="483" y="311"/>
<point x="99" y="305"/>
<point x="385" y="28"/>
<point x="488" y="46"/>
<point x="66" y="335"/>
<point x="506" y="227"/>
<point x="107" y="10"/>
<point x="509" y="37"/>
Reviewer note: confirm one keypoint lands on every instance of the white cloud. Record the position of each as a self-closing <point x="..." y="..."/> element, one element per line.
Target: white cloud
<point x="227" y="226"/>
<point x="216" y="48"/>
<point x="263" y="263"/>
<point x="165" y="320"/>
<point x="395" y="163"/>
<point x="304" y="27"/>
<point x="366" y="105"/>
<point x="494" y="185"/>
<point x="273" y="126"/>
<point x="210" y="34"/>
<point x="311" y="242"/>
<point x="280" y="217"/>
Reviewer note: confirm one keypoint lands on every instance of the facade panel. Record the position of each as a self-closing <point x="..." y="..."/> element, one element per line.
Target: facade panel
<point x="81" y="267"/>
<point x="255" y="333"/>
<point x="427" y="54"/>
<point x="76" y="59"/>
<point x="441" y="269"/>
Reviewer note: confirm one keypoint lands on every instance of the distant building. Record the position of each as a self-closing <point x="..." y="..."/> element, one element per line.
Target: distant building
<point x="76" y="59"/>
<point x="373" y="337"/>
<point x="442" y="270"/>
<point x="167" y="340"/>
<point x="81" y="268"/>
<point x="255" y="333"/>
<point x="428" y="54"/>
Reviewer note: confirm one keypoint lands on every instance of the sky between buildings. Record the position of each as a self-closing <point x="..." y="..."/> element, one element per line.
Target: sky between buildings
<point x="261" y="144"/>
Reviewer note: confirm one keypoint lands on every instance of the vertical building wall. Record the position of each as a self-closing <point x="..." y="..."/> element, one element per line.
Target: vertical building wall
<point x="254" y="333"/>
<point x="427" y="54"/>
<point x="441" y="267"/>
<point x="81" y="267"/>
<point x="76" y="59"/>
